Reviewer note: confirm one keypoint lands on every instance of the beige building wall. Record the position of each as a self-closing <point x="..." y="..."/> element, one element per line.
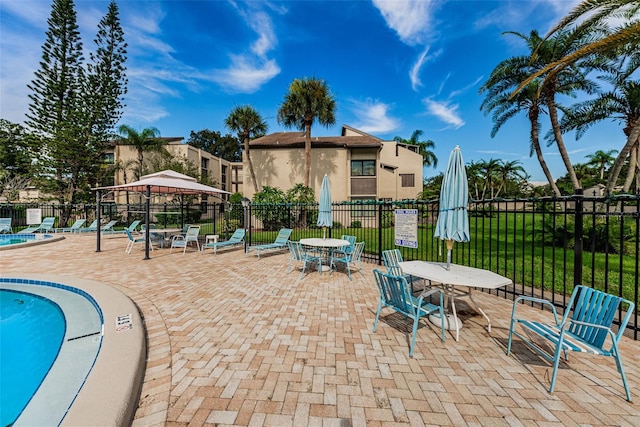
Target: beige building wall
<point x="400" y="172"/>
<point x="284" y="168"/>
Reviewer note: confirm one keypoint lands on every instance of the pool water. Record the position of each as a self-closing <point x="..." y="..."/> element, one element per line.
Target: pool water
<point x="31" y="332"/>
<point x="15" y="239"/>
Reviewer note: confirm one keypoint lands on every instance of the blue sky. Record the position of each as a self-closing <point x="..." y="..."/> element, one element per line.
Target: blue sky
<point x="393" y="66"/>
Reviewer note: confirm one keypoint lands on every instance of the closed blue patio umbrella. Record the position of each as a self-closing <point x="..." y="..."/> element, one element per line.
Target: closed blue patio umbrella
<point x="324" y="209"/>
<point x="453" y="218"/>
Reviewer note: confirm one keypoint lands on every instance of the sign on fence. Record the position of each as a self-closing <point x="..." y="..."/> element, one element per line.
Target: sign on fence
<point x="406" y="228"/>
<point x="34" y="216"/>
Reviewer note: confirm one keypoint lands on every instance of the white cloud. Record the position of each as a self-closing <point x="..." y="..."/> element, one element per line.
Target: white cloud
<point x="373" y="116"/>
<point x="245" y="75"/>
<point x="410" y="19"/>
<point x="444" y="111"/>
<point x="414" y="74"/>
<point x="248" y="72"/>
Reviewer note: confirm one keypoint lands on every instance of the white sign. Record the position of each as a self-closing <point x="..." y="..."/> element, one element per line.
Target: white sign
<point x="406" y="228"/>
<point x="124" y="323"/>
<point x="34" y="216"/>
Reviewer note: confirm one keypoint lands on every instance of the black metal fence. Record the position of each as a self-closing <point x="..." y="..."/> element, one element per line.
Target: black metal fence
<point x="545" y="245"/>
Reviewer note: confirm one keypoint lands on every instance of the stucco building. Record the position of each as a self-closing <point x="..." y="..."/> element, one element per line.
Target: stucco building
<point x="360" y="166"/>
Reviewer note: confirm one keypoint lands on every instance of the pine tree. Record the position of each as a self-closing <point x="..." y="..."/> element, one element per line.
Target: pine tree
<point x="56" y="101"/>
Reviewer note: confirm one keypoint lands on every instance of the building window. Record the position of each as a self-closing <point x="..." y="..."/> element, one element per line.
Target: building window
<point x="224" y="177"/>
<point x="204" y="163"/>
<point x="408" y="179"/>
<point x="108" y="158"/>
<point x="363" y="168"/>
<point x="365" y="210"/>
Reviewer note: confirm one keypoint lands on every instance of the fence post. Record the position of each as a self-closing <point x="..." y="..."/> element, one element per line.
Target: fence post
<point x="577" y="237"/>
<point x="380" y="208"/>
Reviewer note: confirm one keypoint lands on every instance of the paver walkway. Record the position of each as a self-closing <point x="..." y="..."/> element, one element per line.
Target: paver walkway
<point x="234" y="340"/>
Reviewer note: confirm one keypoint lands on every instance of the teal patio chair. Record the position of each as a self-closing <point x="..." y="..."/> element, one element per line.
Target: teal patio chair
<point x="135" y="239"/>
<point x="5" y="225"/>
<point x="391" y="259"/>
<point x="585" y="327"/>
<point x="45" y="227"/>
<point x="279" y="243"/>
<point x="298" y="253"/>
<point x="354" y="258"/>
<point x="75" y="227"/>
<point x="394" y="293"/>
<point x="237" y="238"/>
<point x="180" y="241"/>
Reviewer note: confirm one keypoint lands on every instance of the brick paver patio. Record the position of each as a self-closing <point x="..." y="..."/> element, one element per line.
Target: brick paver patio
<point x="234" y="340"/>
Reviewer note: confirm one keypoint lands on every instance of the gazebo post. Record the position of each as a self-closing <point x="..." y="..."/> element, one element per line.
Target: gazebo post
<point x="98" y="220"/>
<point x="147" y="233"/>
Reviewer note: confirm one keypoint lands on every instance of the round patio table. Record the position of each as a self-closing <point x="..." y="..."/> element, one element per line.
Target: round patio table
<point x="326" y="246"/>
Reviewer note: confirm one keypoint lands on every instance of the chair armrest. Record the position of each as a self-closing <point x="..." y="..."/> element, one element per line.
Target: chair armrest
<point x="534" y="299"/>
<point x="430" y="292"/>
<point x="177" y="237"/>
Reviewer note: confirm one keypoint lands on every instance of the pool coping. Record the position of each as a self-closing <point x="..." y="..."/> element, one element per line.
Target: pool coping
<point x="112" y="388"/>
<point x="51" y="239"/>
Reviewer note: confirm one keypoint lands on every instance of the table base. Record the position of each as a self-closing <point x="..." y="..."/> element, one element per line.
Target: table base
<point x="450" y="322"/>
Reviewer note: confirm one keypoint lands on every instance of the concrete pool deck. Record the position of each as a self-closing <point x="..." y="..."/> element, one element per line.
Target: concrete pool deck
<point x="233" y="340"/>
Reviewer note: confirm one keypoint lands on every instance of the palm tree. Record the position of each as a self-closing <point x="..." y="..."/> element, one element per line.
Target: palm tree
<point x="504" y="105"/>
<point x="622" y="104"/>
<point x="146" y="140"/>
<point x="248" y="123"/>
<point x="424" y="147"/>
<point x="509" y="171"/>
<point x="601" y="160"/>
<point x="592" y="14"/>
<point x="308" y="101"/>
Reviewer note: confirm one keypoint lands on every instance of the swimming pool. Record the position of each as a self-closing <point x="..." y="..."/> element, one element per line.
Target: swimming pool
<point x="97" y="373"/>
<point x="13" y="241"/>
<point x="28" y="350"/>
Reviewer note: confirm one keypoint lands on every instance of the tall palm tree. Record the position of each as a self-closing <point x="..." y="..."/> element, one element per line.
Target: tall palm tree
<point x="424" y="147"/>
<point x="601" y="160"/>
<point x="146" y="140"/>
<point x="622" y="103"/>
<point x="248" y="123"/>
<point x="590" y="14"/>
<point x="308" y="101"/>
<point x="505" y="105"/>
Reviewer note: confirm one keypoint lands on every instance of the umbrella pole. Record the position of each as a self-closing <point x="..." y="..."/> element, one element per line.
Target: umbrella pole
<point x="324" y="232"/>
<point x="449" y="250"/>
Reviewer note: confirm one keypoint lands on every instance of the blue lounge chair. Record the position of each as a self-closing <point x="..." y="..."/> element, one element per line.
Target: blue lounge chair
<point x="73" y="229"/>
<point x="278" y="244"/>
<point x="237" y="238"/>
<point x="394" y="293"/>
<point x="92" y="227"/>
<point x="132" y="228"/>
<point x="585" y="327"/>
<point x="5" y="225"/>
<point x="108" y="227"/>
<point x="45" y="227"/>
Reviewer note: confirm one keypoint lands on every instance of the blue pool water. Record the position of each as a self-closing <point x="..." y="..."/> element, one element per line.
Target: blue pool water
<point x="15" y="239"/>
<point x="31" y="332"/>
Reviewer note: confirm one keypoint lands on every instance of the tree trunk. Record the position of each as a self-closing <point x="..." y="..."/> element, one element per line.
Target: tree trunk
<point x="622" y="156"/>
<point x="553" y="115"/>
<point x="307" y="154"/>
<point x="251" y="171"/>
<point x="633" y="162"/>
<point x="535" y="142"/>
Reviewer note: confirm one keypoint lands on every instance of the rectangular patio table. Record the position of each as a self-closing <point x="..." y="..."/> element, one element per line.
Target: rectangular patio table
<point x="457" y="276"/>
<point x="326" y="246"/>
